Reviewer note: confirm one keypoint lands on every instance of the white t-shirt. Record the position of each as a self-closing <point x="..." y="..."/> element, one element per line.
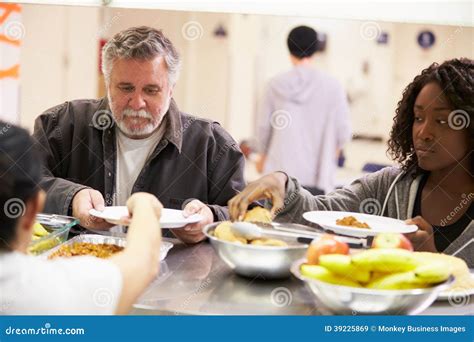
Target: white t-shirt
<point x="131" y="157"/>
<point x="76" y="286"/>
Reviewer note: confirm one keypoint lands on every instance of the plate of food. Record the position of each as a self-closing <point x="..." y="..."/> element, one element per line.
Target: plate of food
<point x="357" y="224"/>
<point x="170" y="218"/>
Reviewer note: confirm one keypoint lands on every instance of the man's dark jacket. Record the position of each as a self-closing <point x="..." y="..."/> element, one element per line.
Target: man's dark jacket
<point x="196" y="158"/>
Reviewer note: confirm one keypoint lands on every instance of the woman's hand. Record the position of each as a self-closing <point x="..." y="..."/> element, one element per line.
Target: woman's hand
<point x="271" y="187"/>
<point x="423" y="238"/>
<point x="139" y="199"/>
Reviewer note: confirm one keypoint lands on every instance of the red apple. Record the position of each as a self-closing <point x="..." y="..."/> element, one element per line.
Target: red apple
<point x="327" y="244"/>
<point x="392" y="240"/>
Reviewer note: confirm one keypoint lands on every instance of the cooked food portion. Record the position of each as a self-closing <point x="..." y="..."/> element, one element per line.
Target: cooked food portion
<point x="101" y="250"/>
<point x="258" y="214"/>
<point x="224" y="232"/>
<point x="351" y="221"/>
<point x="268" y="242"/>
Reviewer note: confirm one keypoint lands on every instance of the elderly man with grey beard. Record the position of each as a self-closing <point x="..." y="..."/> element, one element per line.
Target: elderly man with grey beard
<point x="99" y="152"/>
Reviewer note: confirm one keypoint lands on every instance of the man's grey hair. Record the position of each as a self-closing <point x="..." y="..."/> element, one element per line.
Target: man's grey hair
<point x="143" y="43"/>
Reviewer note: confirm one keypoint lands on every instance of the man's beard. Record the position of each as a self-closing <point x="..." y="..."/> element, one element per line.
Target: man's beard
<point x="131" y="131"/>
<point x="141" y="132"/>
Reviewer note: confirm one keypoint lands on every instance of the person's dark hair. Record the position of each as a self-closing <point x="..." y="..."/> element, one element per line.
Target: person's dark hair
<point x="456" y="78"/>
<point x="302" y="41"/>
<point x="20" y="172"/>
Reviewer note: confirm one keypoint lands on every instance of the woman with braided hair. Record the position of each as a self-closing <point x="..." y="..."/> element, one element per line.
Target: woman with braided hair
<point x="432" y="140"/>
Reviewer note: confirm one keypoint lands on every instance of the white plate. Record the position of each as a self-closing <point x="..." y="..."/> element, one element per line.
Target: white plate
<point x="170" y="218"/>
<point x="378" y="224"/>
<point x="457" y="295"/>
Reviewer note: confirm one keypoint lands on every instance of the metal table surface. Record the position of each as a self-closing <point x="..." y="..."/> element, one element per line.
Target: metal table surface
<point x="194" y="281"/>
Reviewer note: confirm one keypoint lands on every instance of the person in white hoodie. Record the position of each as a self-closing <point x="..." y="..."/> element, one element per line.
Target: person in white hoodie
<point x="304" y="119"/>
<point x="432" y="139"/>
<point x="80" y="285"/>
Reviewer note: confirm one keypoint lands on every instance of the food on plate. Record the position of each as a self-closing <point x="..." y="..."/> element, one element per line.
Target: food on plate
<point x="392" y="240"/>
<point x="351" y="221"/>
<point x="101" y="250"/>
<point x="258" y="214"/>
<point x="385" y="269"/>
<point x="224" y="232"/>
<point x="327" y="244"/>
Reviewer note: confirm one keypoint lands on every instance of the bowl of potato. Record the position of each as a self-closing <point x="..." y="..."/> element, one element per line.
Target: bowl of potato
<point x="265" y="257"/>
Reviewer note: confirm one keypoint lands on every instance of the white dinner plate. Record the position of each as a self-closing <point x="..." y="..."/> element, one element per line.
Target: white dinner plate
<point x="170" y="218"/>
<point x="378" y="224"/>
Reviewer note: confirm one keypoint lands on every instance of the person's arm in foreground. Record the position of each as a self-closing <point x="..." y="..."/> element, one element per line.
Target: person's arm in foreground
<point x="139" y="262"/>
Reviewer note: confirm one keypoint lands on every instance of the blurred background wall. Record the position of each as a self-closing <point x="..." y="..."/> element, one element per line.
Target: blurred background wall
<point x="223" y="76"/>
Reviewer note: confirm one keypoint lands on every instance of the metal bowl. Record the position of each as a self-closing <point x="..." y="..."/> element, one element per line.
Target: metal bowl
<point x="347" y="300"/>
<point x="254" y="261"/>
